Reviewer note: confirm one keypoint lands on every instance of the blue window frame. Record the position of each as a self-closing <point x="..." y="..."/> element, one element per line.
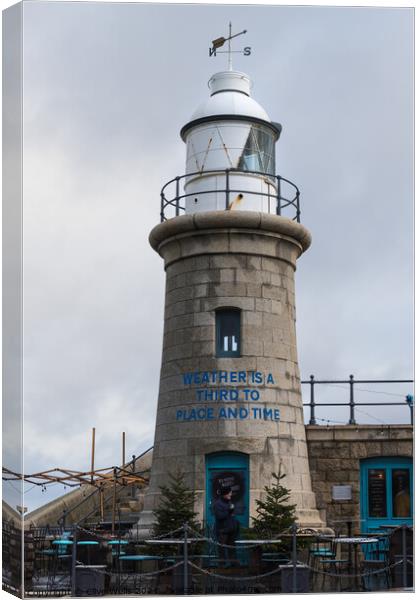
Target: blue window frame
<point x="386" y="492"/>
<point x="228" y="332"/>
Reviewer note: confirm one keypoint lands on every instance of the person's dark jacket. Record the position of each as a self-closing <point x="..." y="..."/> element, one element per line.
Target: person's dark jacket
<point x="225" y="521"/>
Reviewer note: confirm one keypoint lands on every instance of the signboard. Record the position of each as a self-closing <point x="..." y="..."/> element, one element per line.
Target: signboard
<point x="341" y="492"/>
<point x="377" y="492"/>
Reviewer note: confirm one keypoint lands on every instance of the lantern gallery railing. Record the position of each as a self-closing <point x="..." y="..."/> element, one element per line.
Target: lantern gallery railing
<point x="285" y="201"/>
<point x="351" y="403"/>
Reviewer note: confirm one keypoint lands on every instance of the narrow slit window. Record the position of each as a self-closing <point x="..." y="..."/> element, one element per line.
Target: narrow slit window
<point x="228" y="332"/>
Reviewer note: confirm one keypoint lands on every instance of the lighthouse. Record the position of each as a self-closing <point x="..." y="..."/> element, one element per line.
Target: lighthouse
<point x="230" y="408"/>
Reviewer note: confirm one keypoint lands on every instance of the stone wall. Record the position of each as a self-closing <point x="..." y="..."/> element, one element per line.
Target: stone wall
<point x="334" y="459"/>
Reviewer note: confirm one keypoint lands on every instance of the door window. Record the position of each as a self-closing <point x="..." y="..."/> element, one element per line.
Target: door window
<point x="401" y="501"/>
<point x="377" y="492"/>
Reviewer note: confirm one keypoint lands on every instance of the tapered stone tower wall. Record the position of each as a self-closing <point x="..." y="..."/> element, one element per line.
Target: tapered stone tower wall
<point x="244" y="260"/>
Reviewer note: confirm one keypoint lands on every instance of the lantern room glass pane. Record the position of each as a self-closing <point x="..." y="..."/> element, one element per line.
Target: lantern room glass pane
<point x="259" y="151"/>
<point x="228" y="332"/>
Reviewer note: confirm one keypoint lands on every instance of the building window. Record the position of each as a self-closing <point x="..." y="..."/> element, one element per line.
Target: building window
<point x="228" y="332"/>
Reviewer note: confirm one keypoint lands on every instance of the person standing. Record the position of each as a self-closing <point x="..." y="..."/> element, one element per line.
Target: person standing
<point x="226" y="525"/>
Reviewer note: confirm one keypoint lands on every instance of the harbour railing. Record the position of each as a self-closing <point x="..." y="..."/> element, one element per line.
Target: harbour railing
<point x="351" y="402"/>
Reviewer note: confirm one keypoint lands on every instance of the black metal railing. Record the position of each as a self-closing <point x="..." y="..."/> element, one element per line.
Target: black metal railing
<point x="189" y="561"/>
<point x="351" y="403"/>
<point x="283" y="202"/>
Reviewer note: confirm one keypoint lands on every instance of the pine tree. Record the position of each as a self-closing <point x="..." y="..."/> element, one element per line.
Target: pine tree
<point x="176" y="507"/>
<point x="274" y="514"/>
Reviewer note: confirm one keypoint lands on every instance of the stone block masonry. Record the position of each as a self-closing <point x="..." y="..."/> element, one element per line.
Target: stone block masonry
<point x="335" y="455"/>
<point x="249" y="403"/>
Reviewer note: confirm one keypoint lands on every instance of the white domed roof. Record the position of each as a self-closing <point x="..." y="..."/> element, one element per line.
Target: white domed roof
<point x="230" y="96"/>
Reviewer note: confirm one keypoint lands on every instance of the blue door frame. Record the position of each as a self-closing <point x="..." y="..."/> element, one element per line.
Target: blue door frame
<point x="386" y="492"/>
<point x="228" y="468"/>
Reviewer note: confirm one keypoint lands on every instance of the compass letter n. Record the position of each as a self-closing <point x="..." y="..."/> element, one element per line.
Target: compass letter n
<point x="212" y="51"/>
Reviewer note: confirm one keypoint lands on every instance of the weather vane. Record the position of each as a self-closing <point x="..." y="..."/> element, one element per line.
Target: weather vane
<point x="219" y="42"/>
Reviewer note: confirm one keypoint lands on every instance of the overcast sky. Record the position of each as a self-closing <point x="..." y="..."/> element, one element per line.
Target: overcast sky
<point x="107" y="88"/>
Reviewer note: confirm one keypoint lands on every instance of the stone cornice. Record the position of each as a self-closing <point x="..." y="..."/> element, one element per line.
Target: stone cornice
<point x="246" y="220"/>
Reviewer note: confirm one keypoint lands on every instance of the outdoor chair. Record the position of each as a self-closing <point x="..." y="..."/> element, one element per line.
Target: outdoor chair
<point x="332" y="567"/>
<point x="321" y="548"/>
<point x="396" y="554"/>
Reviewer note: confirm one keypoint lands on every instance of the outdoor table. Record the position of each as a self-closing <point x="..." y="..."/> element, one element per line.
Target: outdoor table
<point x="88" y="543"/>
<point x="259" y="542"/>
<point x="62" y="542"/>
<point x="354" y="542"/>
<point x="118" y="551"/>
<point x="87" y="546"/>
<point x="174" y="541"/>
<point x="61" y="546"/>
<point x="286" y="535"/>
<point x="115" y="542"/>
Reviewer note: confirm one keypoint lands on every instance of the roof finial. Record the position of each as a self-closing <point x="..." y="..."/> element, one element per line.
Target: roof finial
<point x="230" y="49"/>
<point x="219" y="42"/>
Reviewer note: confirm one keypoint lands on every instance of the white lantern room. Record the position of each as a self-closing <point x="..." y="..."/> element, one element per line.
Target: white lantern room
<point x="230" y="143"/>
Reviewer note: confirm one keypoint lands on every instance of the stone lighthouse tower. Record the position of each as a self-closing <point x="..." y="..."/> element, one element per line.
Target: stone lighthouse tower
<point x="230" y="407"/>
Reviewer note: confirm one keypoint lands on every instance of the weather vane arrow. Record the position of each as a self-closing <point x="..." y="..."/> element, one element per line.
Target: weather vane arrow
<point x="220" y="41"/>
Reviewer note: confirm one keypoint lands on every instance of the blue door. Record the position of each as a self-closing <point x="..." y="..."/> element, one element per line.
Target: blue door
<point x="386" y="489"/>
<point x="228" y="469"/>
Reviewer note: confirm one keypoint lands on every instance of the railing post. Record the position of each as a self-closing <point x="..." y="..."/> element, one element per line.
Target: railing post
<point x="114" y="500"/>
<point x="352" y="420"/>
<point x="133" y="490"/>
<point x="294" y="558"/>
<point x="177" y="197"/>
<point x="404" y="549"/>
<point x="298" y="206"/>
<point x="312" y="420"/>
<point x="162" y="210"/>
<point x="227" y="189"/>
<point x="278" y="207"/>
<point x="73" y="562"/>
<point x="185" y="559"/>
<point x="410" y="401"/>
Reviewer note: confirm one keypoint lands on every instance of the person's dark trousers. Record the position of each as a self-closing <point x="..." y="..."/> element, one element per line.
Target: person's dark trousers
<point x="228" y="554"/>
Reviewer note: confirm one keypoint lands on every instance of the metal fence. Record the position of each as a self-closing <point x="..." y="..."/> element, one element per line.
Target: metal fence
<point x="286" y="200"/>
<point x="352" y="403"/>
<point x="190" y="562"/>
